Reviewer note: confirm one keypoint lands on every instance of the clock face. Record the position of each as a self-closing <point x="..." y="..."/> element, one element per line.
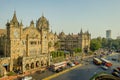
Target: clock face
<point x="16" y="34"/>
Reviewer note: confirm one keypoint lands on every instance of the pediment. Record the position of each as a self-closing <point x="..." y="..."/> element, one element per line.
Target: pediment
<point x="31" y="32"/>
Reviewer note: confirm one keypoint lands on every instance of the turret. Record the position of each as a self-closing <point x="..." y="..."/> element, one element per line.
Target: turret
<point x="32" y="24"/>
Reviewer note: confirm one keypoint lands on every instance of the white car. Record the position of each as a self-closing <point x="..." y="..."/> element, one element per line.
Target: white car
<point x="72" y="64"/>
<point x="27" y="78"/>
<point x="104" y="67"/>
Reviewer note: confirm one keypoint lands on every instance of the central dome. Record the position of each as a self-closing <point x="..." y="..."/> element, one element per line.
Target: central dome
<point x="42" y="23"/>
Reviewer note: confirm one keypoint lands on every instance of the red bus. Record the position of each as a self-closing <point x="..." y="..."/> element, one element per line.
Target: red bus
<point x="97" y="61"/>
<point x="106" y="62"/>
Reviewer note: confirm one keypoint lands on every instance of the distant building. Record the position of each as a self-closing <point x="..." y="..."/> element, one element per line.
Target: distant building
<point x="108" y="34"/>
<point x="71" y="41"/>
<point x="118" y="37"/>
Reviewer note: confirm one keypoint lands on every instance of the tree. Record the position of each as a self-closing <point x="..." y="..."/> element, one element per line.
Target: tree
<point x="76" y="50"/>
<point x="49" y="44"/>
<point x="95" y="44"/>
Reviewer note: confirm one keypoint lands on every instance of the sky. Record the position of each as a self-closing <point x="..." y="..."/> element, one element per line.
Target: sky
<point x="70" y="16"/>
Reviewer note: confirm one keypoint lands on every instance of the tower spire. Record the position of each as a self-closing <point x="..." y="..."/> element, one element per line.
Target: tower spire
<point x="81" y="31"/>
<point x="14" y="19"/>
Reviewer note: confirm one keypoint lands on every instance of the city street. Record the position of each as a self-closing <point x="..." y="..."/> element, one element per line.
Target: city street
<point x="86" y="71"/>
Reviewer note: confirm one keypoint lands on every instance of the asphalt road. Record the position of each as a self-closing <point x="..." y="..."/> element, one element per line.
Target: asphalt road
<point x="86" y="71"/>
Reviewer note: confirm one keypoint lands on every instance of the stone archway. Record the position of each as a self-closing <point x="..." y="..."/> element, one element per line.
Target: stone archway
<point x="27" y="66"/>
<point x="32" y="65"/>
<point x="37" y="63"/>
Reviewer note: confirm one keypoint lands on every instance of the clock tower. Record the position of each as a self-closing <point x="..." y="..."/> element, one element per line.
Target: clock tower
<point x="13" y="37"/>
<point x="13" y="28"/>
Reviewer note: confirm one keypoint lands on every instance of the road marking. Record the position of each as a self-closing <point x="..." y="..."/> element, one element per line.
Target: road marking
<point x="60" y="73"/>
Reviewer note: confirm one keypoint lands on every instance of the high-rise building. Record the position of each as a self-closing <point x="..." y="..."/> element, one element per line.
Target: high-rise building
<point x="108" y="34"/>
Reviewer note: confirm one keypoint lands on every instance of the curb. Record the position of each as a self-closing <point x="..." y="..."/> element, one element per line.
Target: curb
<point x="57" y="74"/>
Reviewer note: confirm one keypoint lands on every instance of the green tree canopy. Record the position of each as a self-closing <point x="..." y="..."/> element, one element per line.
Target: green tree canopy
<point x="95" y="44"/>
<point x="77" y="50"/>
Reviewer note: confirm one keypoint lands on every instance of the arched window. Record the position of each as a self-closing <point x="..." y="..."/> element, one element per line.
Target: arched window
<point x="27" y="66"/>
<point x="32" y="65"/>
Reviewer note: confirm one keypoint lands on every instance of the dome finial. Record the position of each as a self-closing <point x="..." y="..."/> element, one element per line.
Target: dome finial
<point x="42" y="14"/>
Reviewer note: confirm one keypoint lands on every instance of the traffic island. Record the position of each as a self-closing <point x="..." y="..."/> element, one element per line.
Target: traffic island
<point x="104" y="76"/>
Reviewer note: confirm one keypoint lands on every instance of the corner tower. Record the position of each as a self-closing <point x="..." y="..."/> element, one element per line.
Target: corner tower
<point x="13" y="40"/>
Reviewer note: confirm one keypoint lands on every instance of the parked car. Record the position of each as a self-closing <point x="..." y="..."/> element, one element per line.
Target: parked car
<point x="59" y="70"/>
<point x="76" y="62"/>
<point x="114" y="59"/>
<point x="72" y="64"/>
<point x="27" y="78"/>
<point x="118" y="68"/>
<point x="104" y="67"/>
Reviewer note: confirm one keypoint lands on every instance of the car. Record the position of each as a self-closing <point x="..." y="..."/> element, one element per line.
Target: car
<point x="116" y="70"/>
<point x="104" y="67"/>
<point x="114" y="59"/>
<point x="72" y="64"/>
<point x="76" y="62"/>
<point x="59" y="70"/>
<point x="116" y="74"/>
<point x="27" y="78"/>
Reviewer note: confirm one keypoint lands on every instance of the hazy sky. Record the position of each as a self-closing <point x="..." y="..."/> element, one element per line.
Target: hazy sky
<point x="66" y="15"/>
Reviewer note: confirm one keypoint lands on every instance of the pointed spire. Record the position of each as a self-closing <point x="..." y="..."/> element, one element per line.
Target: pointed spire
<point x="81" y="31"/>
<point x="55" y="33"/>
<point x="87" y="32"/>
<point x="32" y="23"/>
<point x="14" y="19"/>
<point x="21" y="24"/>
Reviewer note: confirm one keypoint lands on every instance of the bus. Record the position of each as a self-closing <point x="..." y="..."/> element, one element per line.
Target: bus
<point x="97" y="61"/>
<point x="59" y="65"/>
<point x="106" y="62"/>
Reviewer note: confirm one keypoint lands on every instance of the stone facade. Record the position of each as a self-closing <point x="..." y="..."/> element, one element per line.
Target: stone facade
<point x="71" y="41"/>
<point x="26" y="47"/>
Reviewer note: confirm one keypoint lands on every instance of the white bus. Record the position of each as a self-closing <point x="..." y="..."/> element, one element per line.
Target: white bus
<point x="59" y="65"/>
<point x="97" y="61"/>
